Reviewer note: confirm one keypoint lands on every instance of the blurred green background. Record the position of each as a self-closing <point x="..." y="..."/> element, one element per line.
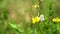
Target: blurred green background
<point x="15" y="16"/>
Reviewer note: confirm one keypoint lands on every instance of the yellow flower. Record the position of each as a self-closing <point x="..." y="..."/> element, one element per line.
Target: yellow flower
<point x="33" y="20"/>
<point x="36" y="6"/>
<point x="37" y="19"/>
<point x="58" y="20"/>
<point x="54" y="20"/>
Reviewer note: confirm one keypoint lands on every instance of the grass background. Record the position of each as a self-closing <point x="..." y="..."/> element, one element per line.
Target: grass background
<point x="15" y="16"/>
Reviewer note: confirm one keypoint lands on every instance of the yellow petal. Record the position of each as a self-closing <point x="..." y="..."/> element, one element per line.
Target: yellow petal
<point x="58" y="20"/>
<point x="54" y="20"/>
<point x="37" y="19"/>
<point x="36" y="6"/>
<point x="33" y="20"/>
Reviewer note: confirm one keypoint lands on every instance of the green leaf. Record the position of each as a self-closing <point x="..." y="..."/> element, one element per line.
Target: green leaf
<point x="13" y="26"/>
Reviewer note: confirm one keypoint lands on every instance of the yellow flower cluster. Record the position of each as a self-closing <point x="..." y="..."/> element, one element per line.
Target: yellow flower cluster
<point x="36" y="6"/>
<point x="36" y="19"/>
<point x="56" y="19"/>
